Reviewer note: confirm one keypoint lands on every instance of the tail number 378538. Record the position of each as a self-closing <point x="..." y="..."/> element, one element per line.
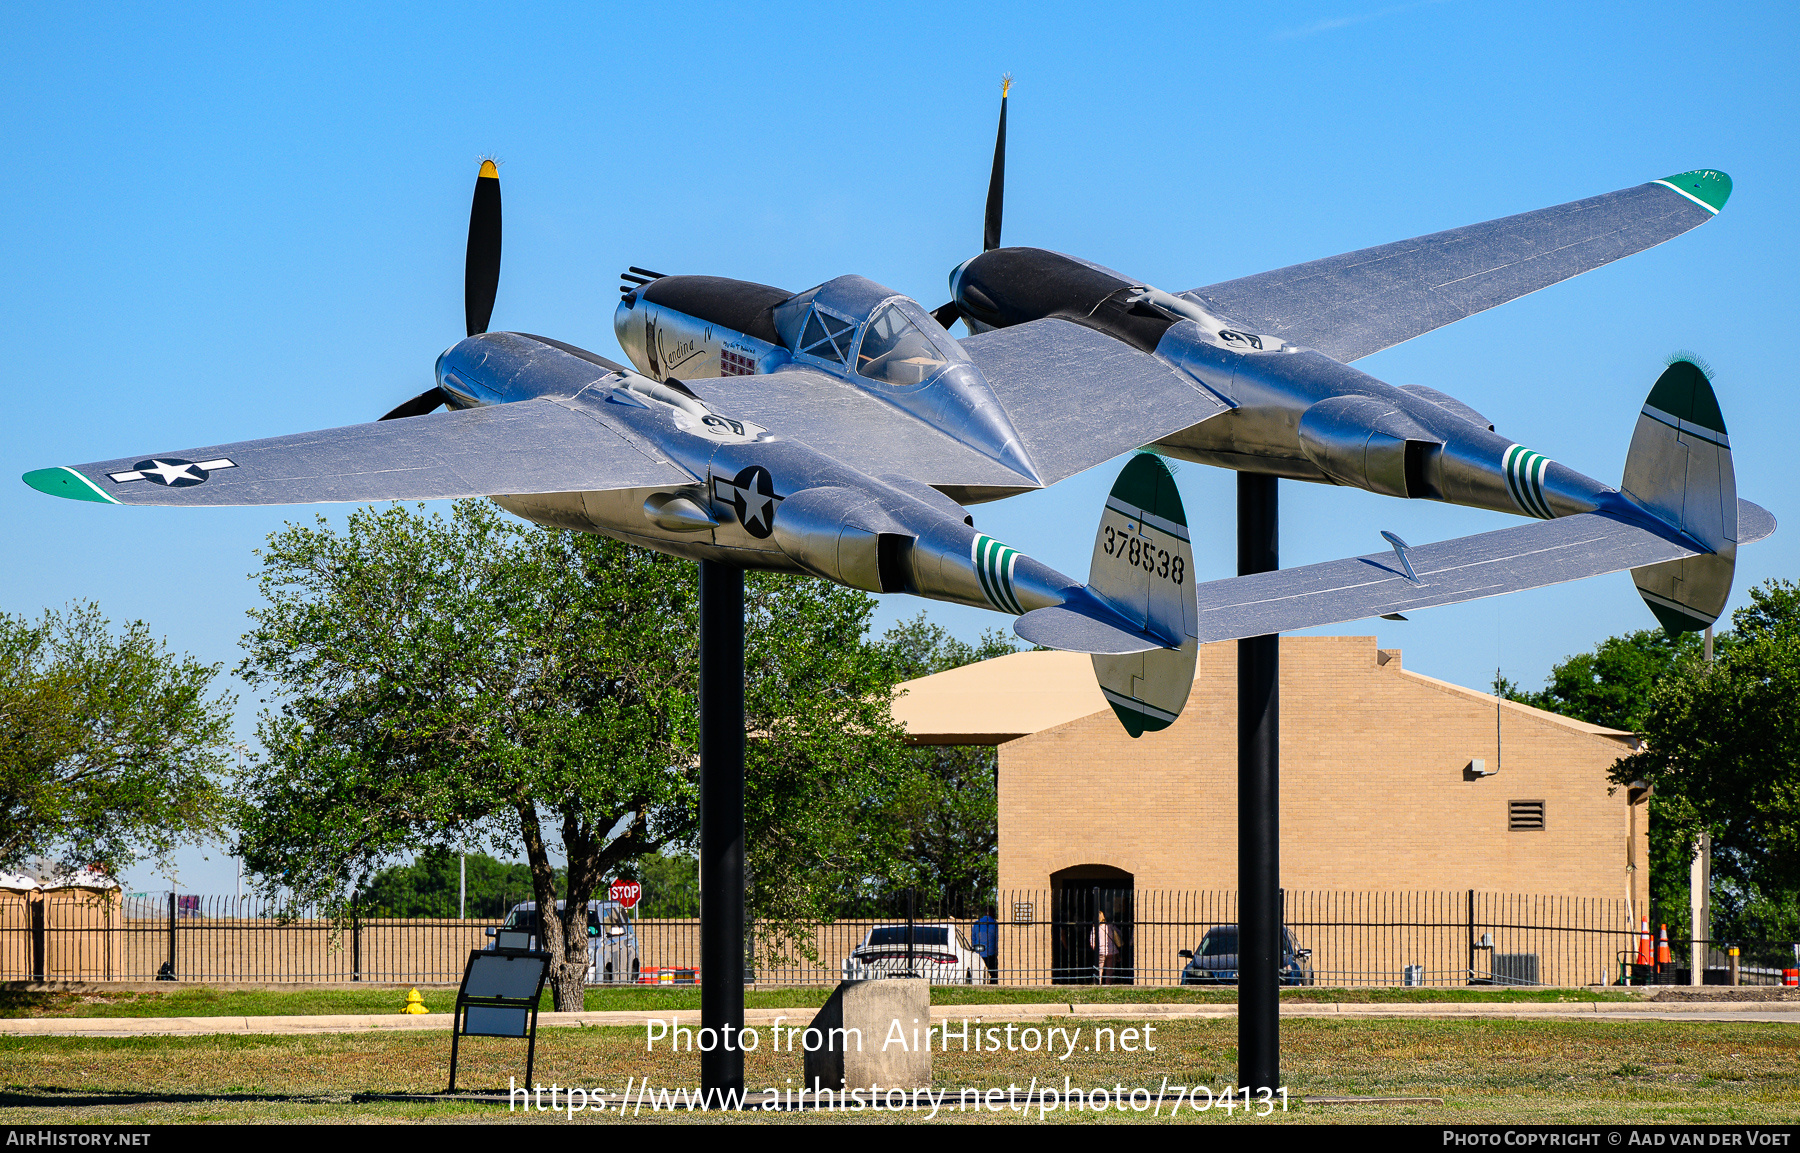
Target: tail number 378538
<point x="1140" y="553"/>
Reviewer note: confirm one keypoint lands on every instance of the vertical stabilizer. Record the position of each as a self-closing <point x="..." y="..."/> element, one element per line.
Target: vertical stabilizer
<point x="1679" y="468"/>
<point x="1144" y="569"/>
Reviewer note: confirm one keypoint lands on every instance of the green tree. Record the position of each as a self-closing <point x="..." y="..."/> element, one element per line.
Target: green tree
<point x="671" y="884"/>
<point x="111" y="747"/>
<point x="432" y="883"/>
<point x="474" y="679"/>
<point x="1722" y="751"/>
<point x="1612" y="686"/>
<point x="943" y="804"/>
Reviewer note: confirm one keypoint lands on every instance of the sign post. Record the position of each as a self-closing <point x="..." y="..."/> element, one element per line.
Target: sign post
<point x="499" y="996"/>
<point x="722" y="820"/>
<point x="1259" y="828"/>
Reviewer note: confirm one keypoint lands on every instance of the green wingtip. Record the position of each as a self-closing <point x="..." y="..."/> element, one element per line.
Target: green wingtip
<point x="1709" y="186"/>
<point x="66" y="482"/>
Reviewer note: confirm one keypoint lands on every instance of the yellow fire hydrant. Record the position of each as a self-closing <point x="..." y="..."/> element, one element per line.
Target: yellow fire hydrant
<point x="414" y="1003"/>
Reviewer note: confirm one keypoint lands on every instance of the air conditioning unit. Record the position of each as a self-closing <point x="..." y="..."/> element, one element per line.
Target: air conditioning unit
<point x="1516" y="969"/>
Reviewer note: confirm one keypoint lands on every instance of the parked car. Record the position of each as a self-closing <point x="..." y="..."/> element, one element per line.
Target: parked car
<point x="612" y="938"/>
<point x="1215" y="962"/>
<point x="940" y="955"/>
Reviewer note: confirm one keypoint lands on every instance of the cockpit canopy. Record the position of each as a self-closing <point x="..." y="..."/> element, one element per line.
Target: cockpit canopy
<point x="896" y="351"/>
<point x="853" y="323"/>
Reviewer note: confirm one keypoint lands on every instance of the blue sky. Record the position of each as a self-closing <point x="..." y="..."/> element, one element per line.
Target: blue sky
<point x="240" y="221"/>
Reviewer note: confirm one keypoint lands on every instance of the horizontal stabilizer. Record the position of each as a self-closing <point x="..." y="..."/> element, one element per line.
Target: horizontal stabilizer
<point x="1467" y="568"/>
<point x="1084" y="626"/>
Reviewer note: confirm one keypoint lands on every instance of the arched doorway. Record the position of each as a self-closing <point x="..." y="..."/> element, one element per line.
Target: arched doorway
<point x="1078" y="895"/>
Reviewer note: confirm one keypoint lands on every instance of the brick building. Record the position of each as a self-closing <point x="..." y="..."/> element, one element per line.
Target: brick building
<point x="1390" y="780"/>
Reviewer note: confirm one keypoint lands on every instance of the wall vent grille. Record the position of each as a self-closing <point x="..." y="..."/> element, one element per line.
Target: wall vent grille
<point x="1525" y="816"/>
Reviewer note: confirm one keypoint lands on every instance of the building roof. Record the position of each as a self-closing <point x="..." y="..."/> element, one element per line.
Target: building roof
<point x="1002" y="699"/>
<point x="998" y="700"/>
<point x="1514" y="708"/>
<point x="40" y="873"/>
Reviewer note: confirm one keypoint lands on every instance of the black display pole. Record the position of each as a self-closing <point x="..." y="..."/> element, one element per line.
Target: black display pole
<point x="1259" y="826"/>
<point x="722" y="823"/>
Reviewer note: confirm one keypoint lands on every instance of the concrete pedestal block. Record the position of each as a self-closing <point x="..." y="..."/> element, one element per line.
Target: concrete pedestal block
<point x="873" y="1033"/>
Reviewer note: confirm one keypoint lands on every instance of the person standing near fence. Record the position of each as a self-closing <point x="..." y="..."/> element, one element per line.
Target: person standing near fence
<point x="1105" y="940"/>
<point x="984" y="938"/>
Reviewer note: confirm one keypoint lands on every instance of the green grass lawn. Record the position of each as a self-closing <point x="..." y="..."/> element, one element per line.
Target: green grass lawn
<point x="200" y="1001"/>
<point x="1487" y="1071"/>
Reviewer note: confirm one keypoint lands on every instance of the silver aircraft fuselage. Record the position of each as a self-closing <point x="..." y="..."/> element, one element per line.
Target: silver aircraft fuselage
<point x="1295" y="413"/>
<point x="758" y="499"/>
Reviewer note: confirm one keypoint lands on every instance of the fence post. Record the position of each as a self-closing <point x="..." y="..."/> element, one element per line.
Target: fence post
<point x="1471" y="979"/>
<point x="171" y="934"/>
<point x="355" y="941"/>
<point x="1282" y="935"/>
<point x="37" y="908"/>
<point x="1094" y="922"/>
<point x="910" y="930"/>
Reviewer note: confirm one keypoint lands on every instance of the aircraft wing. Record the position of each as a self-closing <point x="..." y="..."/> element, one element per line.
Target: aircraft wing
<point x="524" y="447"/>
<point x="843" y="421"/>
<point x="1361" y="302"/>
<point x="1468" y="568"/>
<point x="1079" y="397"/>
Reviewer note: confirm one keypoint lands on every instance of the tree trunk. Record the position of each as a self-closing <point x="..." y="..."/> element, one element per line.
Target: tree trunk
<point x="568" y="980"/>
<point x="568" y="950"/>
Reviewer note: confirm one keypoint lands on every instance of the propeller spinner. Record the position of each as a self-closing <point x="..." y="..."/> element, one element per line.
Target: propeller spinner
<point x="481" y="277"/>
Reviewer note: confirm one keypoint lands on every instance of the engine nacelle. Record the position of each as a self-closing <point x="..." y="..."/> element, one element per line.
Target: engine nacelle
<point x="845" y="536"/>
<point x="693" y="327"/>
<point x="1366" y="442"/>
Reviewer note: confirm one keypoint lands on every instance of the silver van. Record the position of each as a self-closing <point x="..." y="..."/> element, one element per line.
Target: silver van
<point x="612" y="939"/>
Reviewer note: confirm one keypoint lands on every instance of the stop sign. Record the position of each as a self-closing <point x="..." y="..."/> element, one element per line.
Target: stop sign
<point x="626" y="893"/>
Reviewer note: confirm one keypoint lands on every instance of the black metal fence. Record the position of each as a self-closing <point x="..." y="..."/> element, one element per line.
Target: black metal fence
<point x="1035" y="937"/>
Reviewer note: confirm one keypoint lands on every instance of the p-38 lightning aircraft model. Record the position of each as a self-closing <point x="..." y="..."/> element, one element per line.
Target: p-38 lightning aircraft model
<point x="842" y="431"/>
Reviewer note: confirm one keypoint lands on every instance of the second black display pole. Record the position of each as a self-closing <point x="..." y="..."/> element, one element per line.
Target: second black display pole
<point x="722" y="824"/>
<point x="1259" y="826"/>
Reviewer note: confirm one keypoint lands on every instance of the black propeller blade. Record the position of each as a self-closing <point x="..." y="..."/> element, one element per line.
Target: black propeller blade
<point x="948" y="314"/>
<point x="481" y="276"/>
<point x="990" y="233"/>
<point x="481" y="272"/>
<point x="419" y="405"/>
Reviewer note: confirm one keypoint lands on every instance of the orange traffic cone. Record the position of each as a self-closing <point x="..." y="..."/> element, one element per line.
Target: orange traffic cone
<point x="1662" y="948"/>
<point x="1643" y="953"/>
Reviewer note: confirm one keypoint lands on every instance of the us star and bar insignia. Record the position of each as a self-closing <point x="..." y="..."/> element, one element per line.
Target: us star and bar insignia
<point x="171" y="471"/>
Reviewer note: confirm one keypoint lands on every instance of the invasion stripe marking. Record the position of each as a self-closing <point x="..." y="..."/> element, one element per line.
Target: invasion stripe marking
<point x="1138" y="706"/>
<point x="1161" y="524"/>
<point x="1687" y="427"/>
<point x="1512" y="479"/>
<point x="994" y="565"/>
<point x="1525" y="480"/>
<point x="1009" y="561"/>
<point x="1538" y="468"/>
